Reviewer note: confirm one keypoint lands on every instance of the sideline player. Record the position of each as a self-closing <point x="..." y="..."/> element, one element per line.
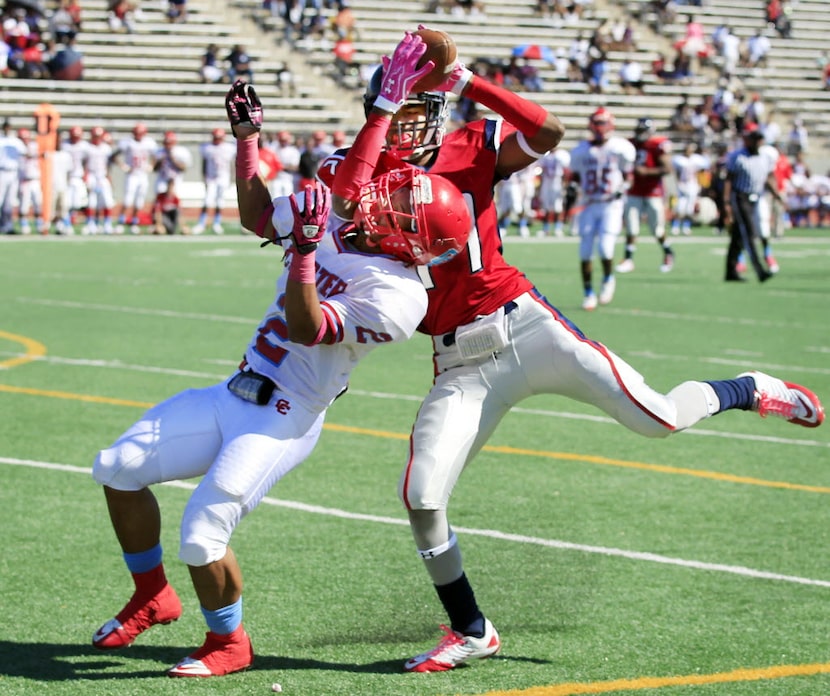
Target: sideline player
<point x="135" y="155"/>
<point x="496" y="339"/>
<point x="31" y="191"/>
<point x="217" y="157"/>
<point x="98" y="185"/>
<point x="646" y="197"/>
<point x="77" y="197"/>
<point x="687" y="167"/>
<point x="601" y="166"/>
<point x="348" y="288"/>
<point x="554" y="171"/>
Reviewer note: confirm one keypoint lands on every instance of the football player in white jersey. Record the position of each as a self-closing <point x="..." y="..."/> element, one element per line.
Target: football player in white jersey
<point x="554" y="169"/>
<point x="687" y="167"/>
<point x="30" y="192"/>
<point x="217" y="157"/>
<point x="77" y="197"/>
<point x="602" y="166"/>
<point x="346" y="289"/>
<point x="98" y="184"/>
<point x="12" y="152"/>
<point x="135" y="155"/>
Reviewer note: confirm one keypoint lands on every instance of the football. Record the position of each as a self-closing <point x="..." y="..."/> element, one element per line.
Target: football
<point x="441" y="51"/>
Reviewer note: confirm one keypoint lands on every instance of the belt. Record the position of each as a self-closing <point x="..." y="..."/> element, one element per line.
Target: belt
<point x="448" y="339"/>
<point x="751" y="197"/>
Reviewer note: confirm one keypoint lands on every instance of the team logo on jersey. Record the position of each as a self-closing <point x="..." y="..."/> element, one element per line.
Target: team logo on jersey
<point x="283" y="406"/>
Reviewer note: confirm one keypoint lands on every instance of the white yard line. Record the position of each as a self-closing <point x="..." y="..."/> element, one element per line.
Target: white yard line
<point x="489" y="533"/>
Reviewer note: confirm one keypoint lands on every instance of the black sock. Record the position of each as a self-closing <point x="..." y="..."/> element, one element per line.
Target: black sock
<point x="460" y="604"/>
<point x="735" y="393"/>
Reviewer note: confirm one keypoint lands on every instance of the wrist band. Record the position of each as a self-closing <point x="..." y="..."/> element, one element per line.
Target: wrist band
<point x="247" y="158"/>
<point x="302" y="268"/>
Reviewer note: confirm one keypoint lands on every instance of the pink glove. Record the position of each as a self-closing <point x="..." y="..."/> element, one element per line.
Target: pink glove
<point x="401" y="73"/>
<point x="243" y="106"/>
<point x="310" y="222"/>
<point x="456" y="81"/>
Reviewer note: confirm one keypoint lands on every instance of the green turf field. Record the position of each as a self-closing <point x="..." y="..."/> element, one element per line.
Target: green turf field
<point x="609" y="563"/>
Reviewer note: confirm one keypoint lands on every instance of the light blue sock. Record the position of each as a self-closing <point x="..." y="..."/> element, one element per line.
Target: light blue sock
<point x="224" y="620"/>
<point x="143" y="561"/>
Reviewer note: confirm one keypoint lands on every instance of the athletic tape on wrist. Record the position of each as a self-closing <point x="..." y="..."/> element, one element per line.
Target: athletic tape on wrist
<point x="302" y="268"/>
<point x="247" y="158"/>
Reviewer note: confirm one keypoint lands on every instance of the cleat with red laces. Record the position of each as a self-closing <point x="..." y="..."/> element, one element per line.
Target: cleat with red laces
<point x="135" y="618"/>
<point x="792" y="402"/>
<point x="455" y="649"/>
<point x="220" y="654"/>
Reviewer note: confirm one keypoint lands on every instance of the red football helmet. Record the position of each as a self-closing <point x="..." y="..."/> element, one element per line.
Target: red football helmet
<point x="218" y="135"/>
<point x="24" y="134"/>
<point x="96" y="135"/>
<point x="170" y="138"/>
<point x="139" y="130"/>
<point x="75" y="134"/>
<point x="416" y="217"/>
<point x="601" y="124"/>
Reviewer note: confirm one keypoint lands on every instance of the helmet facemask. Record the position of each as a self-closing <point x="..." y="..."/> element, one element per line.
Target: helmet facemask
<point x="416" y="217"/>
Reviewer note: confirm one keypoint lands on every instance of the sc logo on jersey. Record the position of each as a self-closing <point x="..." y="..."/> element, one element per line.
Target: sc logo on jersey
<point x="283" y="406"/>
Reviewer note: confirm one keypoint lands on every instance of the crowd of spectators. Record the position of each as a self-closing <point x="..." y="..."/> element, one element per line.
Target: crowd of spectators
<point x="40" y="43"/>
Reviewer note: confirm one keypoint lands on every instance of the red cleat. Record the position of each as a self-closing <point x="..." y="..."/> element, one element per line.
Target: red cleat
<point x="220" y="654"/>
<point x="135" y="618"/>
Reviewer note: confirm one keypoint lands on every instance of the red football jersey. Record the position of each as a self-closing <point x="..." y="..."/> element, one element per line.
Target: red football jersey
<point x="478" y="281"/>
<point x="648" y="155"/>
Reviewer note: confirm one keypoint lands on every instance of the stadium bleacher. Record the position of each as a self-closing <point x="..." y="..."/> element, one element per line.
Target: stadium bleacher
<point x="152" y="75"/>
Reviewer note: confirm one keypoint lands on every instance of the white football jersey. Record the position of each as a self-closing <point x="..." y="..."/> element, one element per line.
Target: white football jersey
<point x="138" y="154"/>
<point x="602" y="168"/>
<point x="217" y="159"/>
<point x="553" y="166"/>
<point x="370" y="298"/>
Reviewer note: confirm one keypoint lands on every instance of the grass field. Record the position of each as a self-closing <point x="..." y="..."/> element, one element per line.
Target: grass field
<point x="609" y="563"/>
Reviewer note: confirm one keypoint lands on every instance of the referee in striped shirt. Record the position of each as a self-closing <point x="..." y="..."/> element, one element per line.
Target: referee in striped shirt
<point x="749" y="172"/>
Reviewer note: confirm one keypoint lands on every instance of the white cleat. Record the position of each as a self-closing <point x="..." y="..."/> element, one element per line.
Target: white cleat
<point x="792" y="402"/>
<point x="625" y="266"/>
<point x="455" y="649"/>
<point x="606" y="292"/>
<point x="198" y="228"/>
<point x="589" y="303"/>
<point x="218" y="229"/>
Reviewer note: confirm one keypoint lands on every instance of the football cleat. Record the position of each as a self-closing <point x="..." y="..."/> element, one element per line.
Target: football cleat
<point x="217" y="228"/>
<point x="668" y="263"/>
<point x="625" y="266"/>
<point x="220" y="654"/>
<point x="792" y="402"/>
<point x="589" y="302"/>
<point x="136" y="617"/>
<point x="773" y="264"/>
<point x="198" y="228"/>
<point x="606" y="292"/>
<point x="455" y="649"/>
<point x="740" y="267"/>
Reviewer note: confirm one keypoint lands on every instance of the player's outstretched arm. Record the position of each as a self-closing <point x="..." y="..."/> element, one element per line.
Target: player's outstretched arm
<point x="306" y="322"/>
<point x="244" y="111"/>
<point x="539" y="131"/>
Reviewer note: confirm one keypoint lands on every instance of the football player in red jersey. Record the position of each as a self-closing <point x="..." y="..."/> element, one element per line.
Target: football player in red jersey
<point x="647" y="193"/>
<point x="496" y="339"/>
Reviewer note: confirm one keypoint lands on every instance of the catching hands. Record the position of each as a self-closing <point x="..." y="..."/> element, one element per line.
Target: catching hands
<point x="310" y="222"/>
<point x="400" y="73"/>
<point x="457" y="79"/>
<point x="244" y="109"/>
